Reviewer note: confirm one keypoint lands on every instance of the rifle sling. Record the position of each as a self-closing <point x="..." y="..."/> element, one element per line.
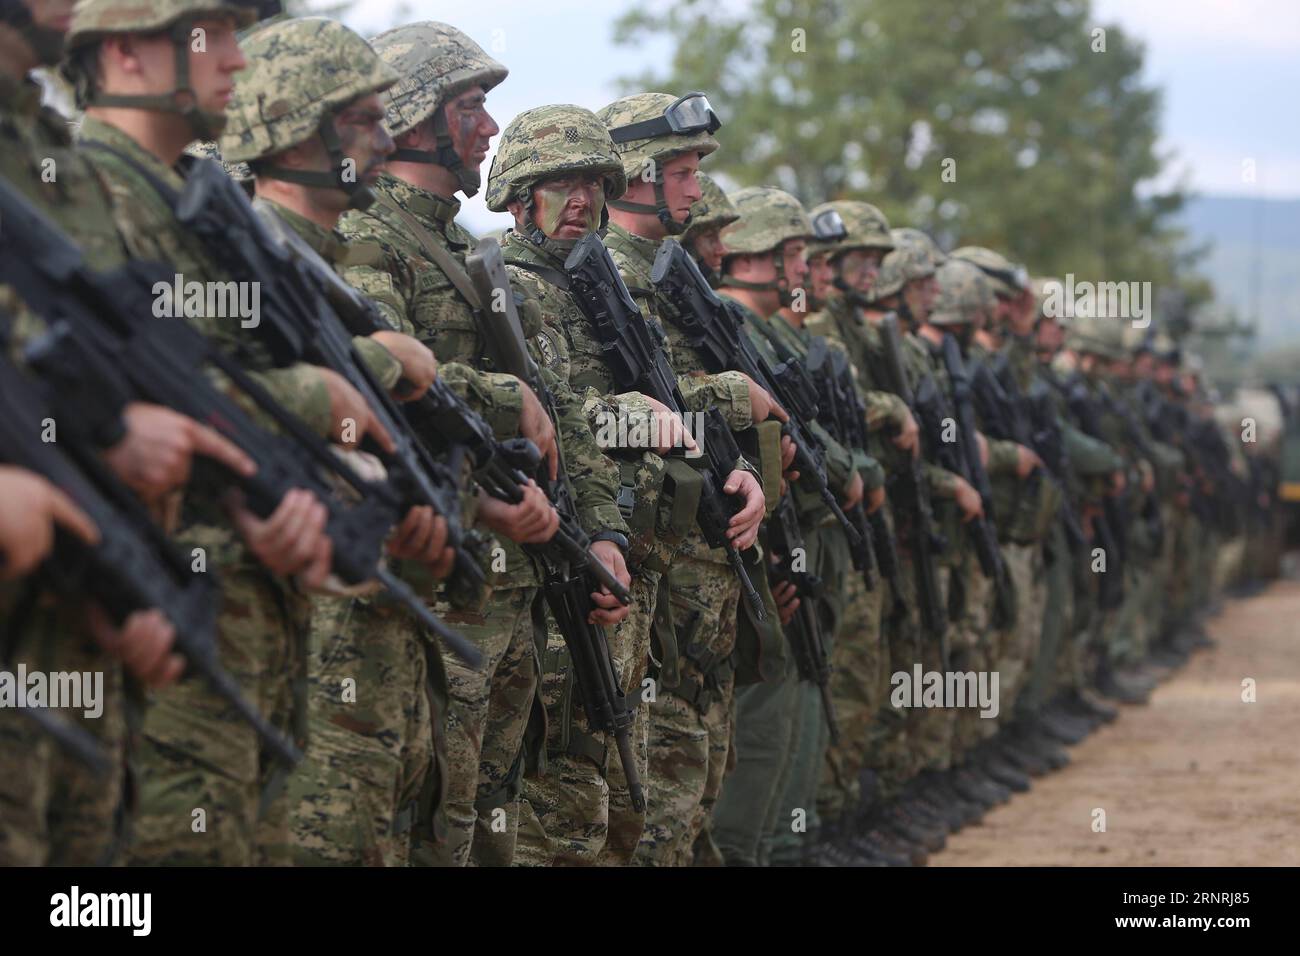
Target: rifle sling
<point x="555" y="277"/>
<point x="430" y="246"/>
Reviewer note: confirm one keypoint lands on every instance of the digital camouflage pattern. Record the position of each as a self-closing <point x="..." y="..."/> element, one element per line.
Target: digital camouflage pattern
<point x="713" y="210"/>
<point x="865" y="226"/>
<point x="965" y="294"/>
<point x="767" y="218"/>
<point x="436" y="63"/>
<point x="92" y="20"/>
<point x="1007" y="278"/>
<point x="300" y="72"/>
<point x="903" y="264"/>
<point x="547" y="143"/>
<point x="641" y="155"/>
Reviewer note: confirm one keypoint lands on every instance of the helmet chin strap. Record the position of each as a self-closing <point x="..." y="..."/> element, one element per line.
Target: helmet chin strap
<point x="46" y="42"/>
<point x="785" y="294"/>
<point x="659" y="209"/>
<point x="445" y="155"/>
<point x="182" y="99"/>
<point x="360" y="195"/>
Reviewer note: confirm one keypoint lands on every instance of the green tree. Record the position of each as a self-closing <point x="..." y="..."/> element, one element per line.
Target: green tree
<point x="1006" y="123"/>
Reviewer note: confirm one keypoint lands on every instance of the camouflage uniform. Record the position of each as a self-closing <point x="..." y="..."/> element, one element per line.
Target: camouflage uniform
<point x="194" y="754"/>
<point x="691" y="713"/>
<point x="52" y="809"/>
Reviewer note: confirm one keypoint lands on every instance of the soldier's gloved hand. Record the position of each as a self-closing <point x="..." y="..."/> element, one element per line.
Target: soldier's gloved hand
<point x="968" y="500"/>
<point x="533" y="521"/>
<point x="875" y="499"/>
<point x="853" y="494"/>
<point x="742" y="531"/>
<point x="787" y="600"/>
<point x="536" y="425"/>
<point x="762" y="405"/>
<point x="909" y="435"/>
<point x="30" y="507"/>
<point x="351" y="419"/>
<point x="292" y="540"/>
<point x="668" y="428"/>
<point x="608" y="611"/>
<point x="419" y="364"/>
<point x="422" y="536"/>
<point x="143" y="644"/>
<point x="155" y="455"/>
<point x="1026" y="461"/>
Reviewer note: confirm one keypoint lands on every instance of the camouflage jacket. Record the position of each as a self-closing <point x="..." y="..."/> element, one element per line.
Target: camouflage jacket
<point x="418" y="298"/>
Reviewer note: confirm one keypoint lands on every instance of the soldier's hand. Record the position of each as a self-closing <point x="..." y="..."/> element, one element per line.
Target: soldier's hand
<point x="853" y="494"/>
<point x="419" y="365"/>
<point x="875" y="499"/>
<point x="787" y="600"/>
<point x="909" y="434"/>
<point x="144" y="644"/>
<point x="762" y="405"/>
<point x="536" y="425"/>
<point x="155" y="455"/>
<point x="30" y="507"/>
<point x="532" y="521"/>
<point x="668" y="428"/>
<point x="1118" y="482"/>
<point x="1026" y="461"/>
<point x="292" y="540"/>
<point x="422" y="536"/>
<point x="968" y="501"/>
<point x="788" y="451"/>
<point x="742" y="531"/>
<point x="983" y="444"/>
<point x="607" y="610"/>
<point x="351" y="419"/>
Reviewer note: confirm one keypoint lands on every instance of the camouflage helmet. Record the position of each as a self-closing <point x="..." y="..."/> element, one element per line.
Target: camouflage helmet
<point x="436" y="63"/>
<point x="713" y="210"/>
<point x="1009" y="279"/>
<point x="965" y="294"/>
<point x="769" y="218"/>
<point x="912" y="234"/>
<point x="862" y="226"/>
<point x="907" y="261"/>
<point x="547" y="142"/>
<point x="1096" y="335"/>
<point x="300" y="74"/>
<point x="1047" y="290"/>
<point x="649" y="129"/>
<point x="93" y="20"/>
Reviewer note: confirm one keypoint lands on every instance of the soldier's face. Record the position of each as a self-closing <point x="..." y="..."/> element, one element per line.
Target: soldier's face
<point x="681" y="188"/>
<point x="470" y="126"/>
<point x="1164" y="374"/>
<point x="1143" y="365"/>
<point x="821" y="275"/>
<point x="54" y="14"/>
<point x="363" y="136"/>
<point x="569" y="207"/>
<point x="859" y="269"/>
<point x="793" y="262"/>
<point x="1021" y="314"/>
<point x="1050" y="339"/>
<point x="213" y="68"/>
<point x="920" y="295"/>
<point x="707" y="244"/>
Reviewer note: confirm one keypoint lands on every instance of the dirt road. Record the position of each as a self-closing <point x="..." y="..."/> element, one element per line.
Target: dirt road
<point x="1197" y="777"/>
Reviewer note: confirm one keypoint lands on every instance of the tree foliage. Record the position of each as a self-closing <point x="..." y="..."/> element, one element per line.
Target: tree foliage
<point x="1048" y="127"/>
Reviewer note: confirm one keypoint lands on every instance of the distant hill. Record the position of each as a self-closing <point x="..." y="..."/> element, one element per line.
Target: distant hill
<point x="1237" y="227"/>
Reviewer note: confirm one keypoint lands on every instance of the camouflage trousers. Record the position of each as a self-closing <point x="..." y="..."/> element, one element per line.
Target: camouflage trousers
<point x="859" y="687"/>
<point x="930" y="730"/>
<point x="976" y="647"/>
<point x="208" y="795"/>
<point x="690" y="715"/>
<point x="357" y="793"/>
<point x="53" y="810"/>
<point x="579" y="811"/>
<point x="488" y="712"/>
<point x="1058" y="617"/>
<point x="1019" y="644"/>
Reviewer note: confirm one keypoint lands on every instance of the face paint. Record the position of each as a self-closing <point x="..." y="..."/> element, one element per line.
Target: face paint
<point x="569" y="205"/>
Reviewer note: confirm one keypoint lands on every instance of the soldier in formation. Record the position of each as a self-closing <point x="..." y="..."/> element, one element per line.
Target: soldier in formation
<point x="618" y="541"/>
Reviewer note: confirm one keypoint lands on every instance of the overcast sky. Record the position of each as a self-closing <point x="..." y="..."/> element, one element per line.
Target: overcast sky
<point x="1230" y="70"/>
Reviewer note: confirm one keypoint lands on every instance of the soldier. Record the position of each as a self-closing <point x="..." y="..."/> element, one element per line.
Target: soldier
<point x="358" y="794"/>
<point x="554" y="172"/>
<point x="771" y="791"/>
<point x="660" y="140"/>
<point x="56" y="810"/>
<point x="710" y="214"/>
<point x="207" y="794"/>
<point x="437" y="113"/>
